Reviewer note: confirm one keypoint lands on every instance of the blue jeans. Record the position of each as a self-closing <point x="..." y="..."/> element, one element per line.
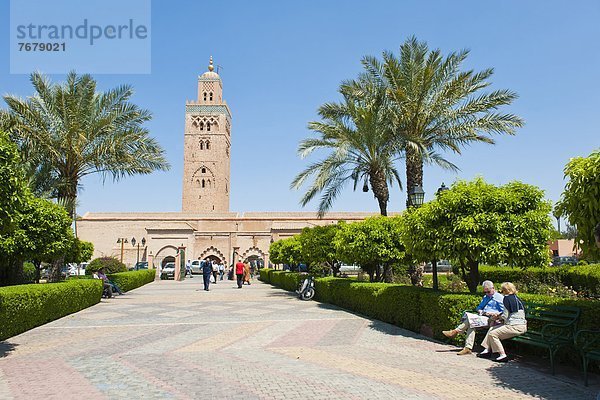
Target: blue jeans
<point x="206" y="279"/>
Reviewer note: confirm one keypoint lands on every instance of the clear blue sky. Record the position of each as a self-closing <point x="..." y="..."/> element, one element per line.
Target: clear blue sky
<point x="280" y="60"/>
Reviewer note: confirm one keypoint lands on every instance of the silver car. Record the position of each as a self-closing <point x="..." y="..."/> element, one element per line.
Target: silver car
<point x="168" y="271"/>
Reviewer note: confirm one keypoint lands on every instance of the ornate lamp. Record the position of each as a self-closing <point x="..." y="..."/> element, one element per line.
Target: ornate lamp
<point x="416" y="196"/>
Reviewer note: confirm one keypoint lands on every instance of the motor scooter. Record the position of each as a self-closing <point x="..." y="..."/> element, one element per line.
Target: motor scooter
<point x="306" y="289"/>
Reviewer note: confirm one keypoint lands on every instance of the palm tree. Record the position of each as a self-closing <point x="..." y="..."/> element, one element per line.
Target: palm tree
<point x="355" y="133"/>
<point x="434" y="103"/>
<point x="67" y="131"/>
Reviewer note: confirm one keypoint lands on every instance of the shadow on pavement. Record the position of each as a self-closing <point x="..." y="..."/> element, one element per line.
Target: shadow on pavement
<point x="511" y="375"/>
<point x="6" y="348"/>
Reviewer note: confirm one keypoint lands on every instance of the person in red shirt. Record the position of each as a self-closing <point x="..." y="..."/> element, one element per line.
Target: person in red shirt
<point x="239" y="273"/>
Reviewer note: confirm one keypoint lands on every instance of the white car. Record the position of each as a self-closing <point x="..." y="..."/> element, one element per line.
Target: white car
<point x="196" y="267"/>
<point x="168" y="271"/>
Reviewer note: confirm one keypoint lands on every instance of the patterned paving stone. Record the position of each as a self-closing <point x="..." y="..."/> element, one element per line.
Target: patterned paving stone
<point x="172" y="340"/>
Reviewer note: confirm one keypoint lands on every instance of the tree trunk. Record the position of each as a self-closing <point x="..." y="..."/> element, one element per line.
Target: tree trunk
<point x="435" y="274"/>
<point x="473" y="278"/>
<point x="414" y="170"/>
<point x="388" y="273"/>
<point x="380" y="189"/>
<point x="55" y="275"/>
<point x="38" y="271"/>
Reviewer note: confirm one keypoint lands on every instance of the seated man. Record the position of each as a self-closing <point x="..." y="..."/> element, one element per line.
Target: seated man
<point x="113" y="286"/>
<point x="491" y="306"/>
<point x="107" y="286"/>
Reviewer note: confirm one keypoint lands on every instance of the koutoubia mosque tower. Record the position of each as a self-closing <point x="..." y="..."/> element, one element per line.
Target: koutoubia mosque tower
<point x="205" y="227"/>
<point x="207" y="145"/>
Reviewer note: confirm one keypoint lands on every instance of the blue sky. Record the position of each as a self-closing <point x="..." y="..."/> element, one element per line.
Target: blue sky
<point x="281" y="60"/>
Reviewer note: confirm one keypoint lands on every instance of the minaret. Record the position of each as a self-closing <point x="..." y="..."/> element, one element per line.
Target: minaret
<point x="207" y="142"/>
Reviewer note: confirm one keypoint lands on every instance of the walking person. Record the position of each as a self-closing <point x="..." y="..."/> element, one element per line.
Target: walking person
<point x="514" y="320"/>
<point x="206" y="273"/>
<point x="215" y="270"/>
<point x="239" y="273"/>
<point x="221" y="271"/>
<point x="247" y="273"/>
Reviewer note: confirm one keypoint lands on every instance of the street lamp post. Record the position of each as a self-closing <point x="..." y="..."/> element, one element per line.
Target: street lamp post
<point x="441" y="190"/>
<point x="133" y="242"/>
<point x="122" y="242"/>
<point x="416" y="195"/>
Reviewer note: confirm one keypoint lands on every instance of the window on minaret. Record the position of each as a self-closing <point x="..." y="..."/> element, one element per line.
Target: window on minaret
<point x="207" y="145"/>
<point x="204" y="96"/>
<point x="201" y="145"/>
<point x="210" y="96"/>
<point x="203" y="183"/>
<point x="203" y="170"/>
<point x="208" y="126"/>
<point x="201" y="126"/>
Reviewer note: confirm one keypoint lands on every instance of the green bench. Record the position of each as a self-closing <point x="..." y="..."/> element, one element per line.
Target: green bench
<point x="550" y="327"/>
<point x="588" y="344"/>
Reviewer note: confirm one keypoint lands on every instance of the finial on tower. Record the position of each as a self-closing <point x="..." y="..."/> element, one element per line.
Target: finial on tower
<point x="210" y="65"/>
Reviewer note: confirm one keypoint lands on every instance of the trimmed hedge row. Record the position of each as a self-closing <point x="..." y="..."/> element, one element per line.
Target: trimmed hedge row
<point x="582" y="278"/>
<point x="284" y="279"/>
<point x="24" y="307"/>
<point x="132" y="279"/>
<point x="421" y="310"/>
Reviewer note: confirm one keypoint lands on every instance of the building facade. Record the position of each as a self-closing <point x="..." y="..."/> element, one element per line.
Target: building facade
<point x="205" y="227"/>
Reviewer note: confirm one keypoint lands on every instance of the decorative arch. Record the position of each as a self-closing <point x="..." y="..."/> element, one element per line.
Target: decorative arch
<point x="202" y="175"/>
<point x="212" y="251"/>
<point x="164" y="248"/>
<point x="252" y="251"/>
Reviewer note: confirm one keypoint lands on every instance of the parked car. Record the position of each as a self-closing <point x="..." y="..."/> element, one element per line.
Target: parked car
<point x="168" y="271"/>
<point x="564" y="260"/>
<point x="140" y="265"/>
<point x="196" y="267"/>
<point x="442" y="266"/>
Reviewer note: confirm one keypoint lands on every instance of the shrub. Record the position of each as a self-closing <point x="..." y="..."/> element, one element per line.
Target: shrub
<point x="24" y="307"/>
<point x="132" y="279"/>
<point x="419" y="309"/>
<point x="584" y="279"/>
<point x="264" y="275"/>
<point x="110" y="264"/>
<point x="285" y="279"/>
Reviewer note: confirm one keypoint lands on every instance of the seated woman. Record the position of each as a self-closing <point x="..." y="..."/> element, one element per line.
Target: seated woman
<point x="514" y="324"/>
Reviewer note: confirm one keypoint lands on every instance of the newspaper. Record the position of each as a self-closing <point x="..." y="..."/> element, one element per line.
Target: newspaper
<point x="477" y="321"/>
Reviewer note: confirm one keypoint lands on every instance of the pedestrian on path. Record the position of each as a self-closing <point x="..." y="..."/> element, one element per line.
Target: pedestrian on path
<point x="239" y="273"/>
<point x="206" y="273"/>
<point x="247" y="273"/>
<point x="221" y="271"/>
<point x="491" y="306"/>
<point x="215" y="270"/>
<point x="514" y="320"/>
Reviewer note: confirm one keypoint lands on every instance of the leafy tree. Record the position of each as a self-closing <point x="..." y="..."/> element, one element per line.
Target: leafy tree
<point x="436" y="105"/>
<point x="69" y="130"/>
<point x="371" y="244"/>
<point x="286" y="251"/>
<point x="580" y="201"/>
<point x="318" y="247"/>
<point x="355" y="134"/>
<point x="13" y="197"/>
<point x="30" y="228"/>
<point x="478" y="222"/>
<point x="79" y="251"/>
<point x="45" y="235"/>
<point x="110" y="264"/>
<point x="419" y="234"/>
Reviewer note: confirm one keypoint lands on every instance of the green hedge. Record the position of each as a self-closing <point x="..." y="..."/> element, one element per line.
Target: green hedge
<point x="582" y="278"/>
<point x="24" y="307"/>
<point x="420" y="310"/>
<point x="133" y="279"/>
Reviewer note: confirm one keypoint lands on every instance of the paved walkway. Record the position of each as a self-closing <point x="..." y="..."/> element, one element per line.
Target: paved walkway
<point x="173" y="340"/>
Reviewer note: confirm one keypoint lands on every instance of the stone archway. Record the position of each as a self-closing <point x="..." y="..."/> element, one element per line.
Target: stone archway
<point x="255" y="257"/>
<point x="212" y="253"/>
<point x="165" y="254"/>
